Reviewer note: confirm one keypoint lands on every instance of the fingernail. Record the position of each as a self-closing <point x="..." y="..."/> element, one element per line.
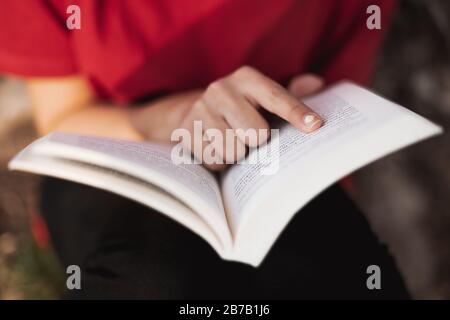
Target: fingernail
<point x="310" y="119"/>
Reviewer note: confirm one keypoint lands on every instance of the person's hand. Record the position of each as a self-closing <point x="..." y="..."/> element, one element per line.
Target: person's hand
<point x="232" y="102"/>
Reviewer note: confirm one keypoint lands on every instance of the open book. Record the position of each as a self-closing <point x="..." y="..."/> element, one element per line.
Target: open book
<point x="242" y="212"/>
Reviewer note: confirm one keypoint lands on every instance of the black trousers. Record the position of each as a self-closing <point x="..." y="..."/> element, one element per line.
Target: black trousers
<point x="126" y="250"/>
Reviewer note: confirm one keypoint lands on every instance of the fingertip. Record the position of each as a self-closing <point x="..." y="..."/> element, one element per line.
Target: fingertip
<point x="311" y="121"/>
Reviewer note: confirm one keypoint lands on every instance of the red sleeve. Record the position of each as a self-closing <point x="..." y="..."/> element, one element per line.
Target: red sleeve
<point x="353" y="49"/>
<point x="34" y="40"/>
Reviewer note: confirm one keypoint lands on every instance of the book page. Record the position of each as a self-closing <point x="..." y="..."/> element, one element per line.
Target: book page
<point x="119" y="183"/>
<point x="190" y="183"/>
<point x="242" y="181"/>
<point x="359" y="127"/>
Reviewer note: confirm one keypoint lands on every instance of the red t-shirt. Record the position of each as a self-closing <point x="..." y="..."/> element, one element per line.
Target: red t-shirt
<point x="131" y="49"/>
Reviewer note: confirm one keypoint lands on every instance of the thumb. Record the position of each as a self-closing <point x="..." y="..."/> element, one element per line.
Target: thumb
<point x="305" y="84"/>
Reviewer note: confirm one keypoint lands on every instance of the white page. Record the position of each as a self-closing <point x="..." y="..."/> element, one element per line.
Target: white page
<point x="116" y="182"/>
<point x="360" y="127"/>
<point x="190" y="183"/>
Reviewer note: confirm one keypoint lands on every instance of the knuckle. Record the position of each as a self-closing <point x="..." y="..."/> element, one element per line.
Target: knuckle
<point x="294" y="111"/>
<point x="215" y="87"/>
<point x="199" y="106"/>
<point x="219" y="94"/>
<point x="275" y="89"/>
<point x="244" y="71"/>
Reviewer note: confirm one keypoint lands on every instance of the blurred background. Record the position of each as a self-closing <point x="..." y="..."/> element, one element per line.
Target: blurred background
<point x="408" y="192"/>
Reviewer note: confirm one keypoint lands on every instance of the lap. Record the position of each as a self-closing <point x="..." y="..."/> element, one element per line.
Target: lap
<point x="126" y="250"/>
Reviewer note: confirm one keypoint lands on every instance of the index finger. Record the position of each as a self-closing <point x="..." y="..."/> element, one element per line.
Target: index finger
<point x="277" y="100"/>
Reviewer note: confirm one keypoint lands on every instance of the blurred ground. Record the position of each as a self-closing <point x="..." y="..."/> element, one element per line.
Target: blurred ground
<point x="28" y="268"/>
<point x="406" y="193"/>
